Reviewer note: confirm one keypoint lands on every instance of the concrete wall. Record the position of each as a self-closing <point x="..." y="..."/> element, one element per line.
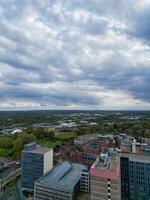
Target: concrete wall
<point x="48" y="161"/>
<point x="104" y="189"/>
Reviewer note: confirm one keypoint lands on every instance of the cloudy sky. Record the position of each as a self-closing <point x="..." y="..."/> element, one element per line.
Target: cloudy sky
<point x="74" y="54"/>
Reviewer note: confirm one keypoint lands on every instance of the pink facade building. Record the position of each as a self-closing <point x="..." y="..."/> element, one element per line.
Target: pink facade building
<point x="104" y="175"/>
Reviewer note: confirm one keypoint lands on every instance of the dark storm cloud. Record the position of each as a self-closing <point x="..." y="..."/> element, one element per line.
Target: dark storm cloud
<point x="57" y="98"/>
<point x="75" y="54"/>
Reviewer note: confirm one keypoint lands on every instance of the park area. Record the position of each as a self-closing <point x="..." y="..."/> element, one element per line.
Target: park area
<point x="57" y="140"/>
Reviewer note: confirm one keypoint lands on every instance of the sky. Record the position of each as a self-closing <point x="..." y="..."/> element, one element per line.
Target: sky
<point x="75" y="54"/>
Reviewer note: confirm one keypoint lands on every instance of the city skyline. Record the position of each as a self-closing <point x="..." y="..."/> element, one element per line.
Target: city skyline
<point x="89" y="54"/>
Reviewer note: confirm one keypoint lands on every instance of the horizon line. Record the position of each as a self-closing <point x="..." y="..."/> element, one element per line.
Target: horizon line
<point x="84" y="110"/>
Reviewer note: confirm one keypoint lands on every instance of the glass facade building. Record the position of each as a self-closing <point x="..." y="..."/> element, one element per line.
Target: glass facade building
<point x="135" y="176"/>
<point x="32" y="169"/>
<point x="36" y="161"/>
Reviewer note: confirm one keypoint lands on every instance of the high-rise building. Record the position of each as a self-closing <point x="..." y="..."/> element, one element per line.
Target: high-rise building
<point x="104" y="175"/>
<point x="35" y="161"/>
<point x="61" y="183"/>
<point x="135" y="176"/>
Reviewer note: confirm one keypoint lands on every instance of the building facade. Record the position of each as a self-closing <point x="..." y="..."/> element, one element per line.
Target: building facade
<point x="36" y="161"/>
<point x="104" y="176"/>
<point x="61" y="183"/>
<point x="85" y="181"/>
<point x="135" y="176"/>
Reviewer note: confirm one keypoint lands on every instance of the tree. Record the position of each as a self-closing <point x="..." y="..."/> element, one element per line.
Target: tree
<point x="51" y="133"/>
<point x="18" y="144"/>
<point x="147" y="133"/>
<point x="39" y="133"/>
<point x="42" y="134"/>
<point x="6" y="142"/>
<point x="28" y="138"/>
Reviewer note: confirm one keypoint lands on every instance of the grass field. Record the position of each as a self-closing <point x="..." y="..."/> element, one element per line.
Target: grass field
<point x="66" y="135"/>
<point x="57" y="140"/>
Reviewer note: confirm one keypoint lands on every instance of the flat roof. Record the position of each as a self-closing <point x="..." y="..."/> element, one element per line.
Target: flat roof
<point x="39" y="150"/>
<point x="93" y="145"/>
<point x="141" y="156"/>
<point x="63" y="176"/>
<point x="106" y="167"/>
<point x="89" y="155"/>
<point x="107" y="163"/>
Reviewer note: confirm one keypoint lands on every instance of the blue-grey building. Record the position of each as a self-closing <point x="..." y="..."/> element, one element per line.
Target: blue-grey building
<point x="61" y="183"/>
<point x="135" y="176"/>
<point x="36" y="161"/>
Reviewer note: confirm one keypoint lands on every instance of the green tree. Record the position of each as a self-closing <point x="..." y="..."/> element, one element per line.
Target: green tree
<point x="18" y="144"/>
<point x="6" y="142"/>
<point x="147" y="133"/>
<point x="28" y="138"/>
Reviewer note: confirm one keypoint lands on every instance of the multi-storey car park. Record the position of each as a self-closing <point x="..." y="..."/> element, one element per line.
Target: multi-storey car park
<point x="104" y="175"/>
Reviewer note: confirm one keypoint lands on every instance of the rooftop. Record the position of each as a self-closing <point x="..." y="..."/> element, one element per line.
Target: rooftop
<point x="89" y="155"/>
<point x="34" y="148"/>
<point x="41" y="150"/>
<point x="107" y="163"/>
<point x="87" y="136"/>
<point x="137" y="156"/>
<point x="106" y="166"/>
<point x="64" y="176"/>
<point x="92" y="145"/>
<point x="146" y="149"/>
<point x="126" y="142"/>
<point x="104" y="138"/>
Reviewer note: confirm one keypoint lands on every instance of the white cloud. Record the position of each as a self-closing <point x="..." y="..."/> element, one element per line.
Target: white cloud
<point x="74" y="54"/>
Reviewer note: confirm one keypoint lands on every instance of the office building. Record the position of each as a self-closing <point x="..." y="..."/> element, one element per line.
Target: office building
<point x="35" y="161"/>
<point x="104" y="176"/>
<point x="135" y="176"/>
<point x="62" y="182"/>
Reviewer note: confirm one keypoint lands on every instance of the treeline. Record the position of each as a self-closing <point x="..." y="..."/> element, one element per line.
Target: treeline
<point x="12" y="145"/>
<point x="136" y="129"/>
<point x="26" y="119"/>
